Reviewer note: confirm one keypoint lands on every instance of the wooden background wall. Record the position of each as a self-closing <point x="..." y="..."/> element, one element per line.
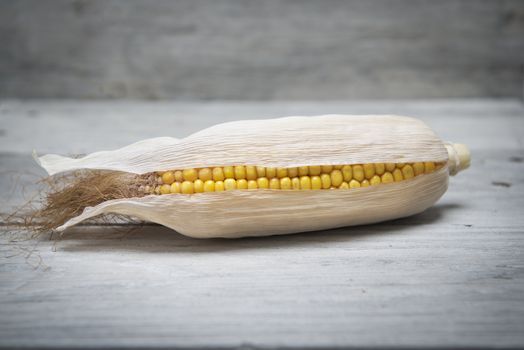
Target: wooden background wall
<point x="261" y="50"/>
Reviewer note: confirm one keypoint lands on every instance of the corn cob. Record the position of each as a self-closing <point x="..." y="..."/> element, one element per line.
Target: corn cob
<point x="276" y="176"/>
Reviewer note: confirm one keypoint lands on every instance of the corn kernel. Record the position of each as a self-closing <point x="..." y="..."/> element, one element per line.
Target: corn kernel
<point x="251" y="172"/>
<point x="354" y="184"/>
<point x="252" y="185"/>
<point x="295" y="183"/>
<point x="205" y="174"/>
<point x="165" y="189"/>
<point x="338" y="167"/>
<point x="240" y="172"/>
<point x="219" y="186"/>
<point x="369" y="170"/>
<point x="157" y="189"/>
<point x="387" y="178"/>
<point x="198" y="186"/>
<point x="303" y="170"/>
<point x="358" y="172"/>
<point x="305" y="183"/>
<point x="390" y="167"/>
<point x="429" y="167"/>
<point x="400" y="165"/>
<point x="274" y="184"/>
<point x="316" y="183"/>
<point x="397" y="175"/>
<point x="242" y="184"/>
<point x="375" y="180"/>
<point x="230" y="184"/>
<point x="271" y="172"/>
<point x="314" y="170"/>
<point x="190" y="174"/>
<point x="347" y="172"/>
<point x="209" y="186"/>
<point x="281" y="172"/>
<point x="229" y="173"/>
<point x="168" y="177"/>
<point x="326" y="169"/>
<point x="344" y="186"/>
<point x="261" y="171"/>
<point x="380" y="168"/>
<point x="175" y="187"/>
<point x="418" y="168"/>
<point x="336" y="178"/>
<point x="263" y="182"/>
<point x="187" y="187"/>
<point x="292" y="172"/>
<point x="285" y="183"/>
<point x="407" y="171"/>
<point x="364" y="183"/>
<point x="326" y="181"/>
<point x="218" y="174"/>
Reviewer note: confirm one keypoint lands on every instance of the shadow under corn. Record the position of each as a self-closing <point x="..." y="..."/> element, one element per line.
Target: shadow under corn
<point x="156" y="238"/>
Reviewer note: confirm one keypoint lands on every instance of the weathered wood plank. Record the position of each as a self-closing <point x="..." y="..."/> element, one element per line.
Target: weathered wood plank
<point x="451" y="276"/>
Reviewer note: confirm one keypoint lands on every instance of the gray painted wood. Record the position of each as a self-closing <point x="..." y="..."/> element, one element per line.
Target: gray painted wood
<point x="278" y="49"/>
<point x="451" y="276"/>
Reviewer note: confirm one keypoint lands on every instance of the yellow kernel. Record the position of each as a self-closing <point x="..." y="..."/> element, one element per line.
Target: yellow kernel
<point x="347" y="172"/>
<point x="375" y="180"/>
<point x="344" y="186"/>
<point x="358" y="172"/>
<point x="354" y="184"/>
<point x="230" y="184"/>
<point x="285" y="183"/>
<point x="326" y="169"/>
<point x="397" y="175"/>
<point x="338" y="167"/>
<point x="240" y="172"/>
<point x="205" y="174"/>
<point x="218" y="174"/>
<point x="429" y="167"/>
<point x="316" y="183"/>
<point x="168" y="177"/>
<point x="292" y="172"/>
<point x="179" y="177"/>
<point x="190" y="174"/>
<point x="252" y="185"/>
<point x="295" y="183"/>
<point x="209" y="186"/>
<point x="263" y="182"/>
<point x="187" y="187"/>
<point x="271" y="172"/>
<point x="364" y="183"/>
<point x="418" y="168"/>
<point x="198" y="185"/>
<point x="407" y="171"/>
<point x="242" y="184"/>
<point x="229" y="173"/>
<point x="175" y="187"/>
<point x="303" y="170"/>
<point x="369" y="170"/>
<point x="219" y="186"/>
<point x="305" y="183"/>
<point x="390" y="166"/>
<point x="400" y="165"/>
<point x="281" y="172"/>
<point x="261" y="171"/>
<point x="160" y="173"/>
<point x="326" y="181"/>
<point x="274" y="184"/>
<point x="336" y="178"/>
<point x="314" y="170"/>
<point x="165" y="189"/>
<point x="380" y="168"/>
<point x="386" y="178"/>
<point x="251" y="172"/>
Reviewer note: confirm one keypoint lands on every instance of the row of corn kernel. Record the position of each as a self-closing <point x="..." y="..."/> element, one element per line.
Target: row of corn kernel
<point x="336" y="179"/>
<point x="358" y="172"/>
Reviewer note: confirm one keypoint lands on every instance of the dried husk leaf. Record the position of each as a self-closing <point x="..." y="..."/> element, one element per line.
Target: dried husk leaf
<point x="284" y="142"/>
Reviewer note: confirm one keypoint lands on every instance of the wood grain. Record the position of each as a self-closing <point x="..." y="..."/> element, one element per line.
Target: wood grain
<point x="452" y="276"/>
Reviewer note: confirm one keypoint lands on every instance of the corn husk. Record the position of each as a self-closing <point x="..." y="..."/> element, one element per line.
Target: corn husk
<point x="283" y="142"/>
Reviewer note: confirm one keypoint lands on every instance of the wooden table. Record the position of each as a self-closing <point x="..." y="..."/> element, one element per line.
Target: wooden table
<point x="451" y="276"/>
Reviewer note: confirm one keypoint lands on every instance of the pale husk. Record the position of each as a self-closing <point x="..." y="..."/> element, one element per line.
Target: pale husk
<point x="284" y="142"/>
